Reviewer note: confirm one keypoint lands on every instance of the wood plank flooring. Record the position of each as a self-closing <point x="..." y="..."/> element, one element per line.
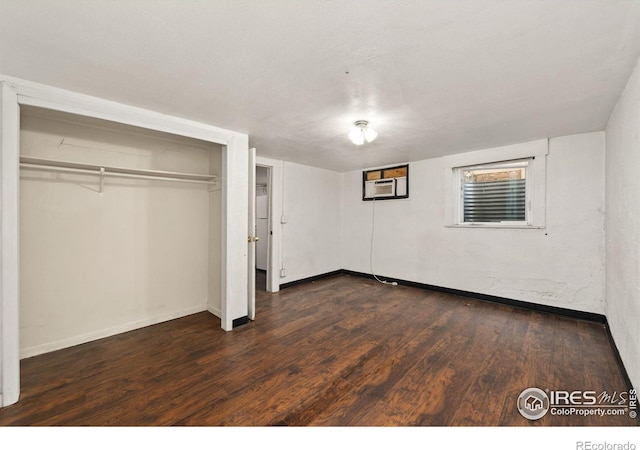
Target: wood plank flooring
<point x="343" y="351"/>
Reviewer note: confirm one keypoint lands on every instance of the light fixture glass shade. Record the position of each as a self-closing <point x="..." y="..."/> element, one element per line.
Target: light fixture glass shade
<point x="369" y="134"/>
<point x="357" y="136"/>
<point x="361" y="133"/>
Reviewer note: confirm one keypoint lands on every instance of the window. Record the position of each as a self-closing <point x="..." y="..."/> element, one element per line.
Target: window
<point x="529" y="156"/>
<point x="495" y="194"/>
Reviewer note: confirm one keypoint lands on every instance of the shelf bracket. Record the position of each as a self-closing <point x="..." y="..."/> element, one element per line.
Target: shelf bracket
<point x="215" y="185"/>
<point x="101" y="180"/>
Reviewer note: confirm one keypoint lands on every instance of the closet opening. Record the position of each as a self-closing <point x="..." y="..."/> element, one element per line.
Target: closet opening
<point x="120" y="228"/>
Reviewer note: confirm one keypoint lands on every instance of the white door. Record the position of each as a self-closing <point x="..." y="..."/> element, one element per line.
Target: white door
<point x="252" y="238"/>
<point x="261" y="245"/>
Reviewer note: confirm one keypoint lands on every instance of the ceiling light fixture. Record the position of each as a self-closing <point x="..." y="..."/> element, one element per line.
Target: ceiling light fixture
<point x="361" y="133"/>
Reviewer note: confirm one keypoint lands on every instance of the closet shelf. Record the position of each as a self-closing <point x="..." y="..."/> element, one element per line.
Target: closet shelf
<point x="29" y="162"/>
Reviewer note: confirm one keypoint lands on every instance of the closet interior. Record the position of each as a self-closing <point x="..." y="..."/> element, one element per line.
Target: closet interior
<point x="120" y="228"/>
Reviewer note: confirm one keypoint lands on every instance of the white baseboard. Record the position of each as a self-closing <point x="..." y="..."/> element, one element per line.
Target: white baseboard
<point x="95" y="335"/>
<point x="215" y="311"/>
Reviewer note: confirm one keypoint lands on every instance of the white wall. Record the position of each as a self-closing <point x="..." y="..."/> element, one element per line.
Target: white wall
<point x="95" y="265"/>
<point x="560" y="266"/>
<point x="623" y="226"/>
<point x="312" y="237"/>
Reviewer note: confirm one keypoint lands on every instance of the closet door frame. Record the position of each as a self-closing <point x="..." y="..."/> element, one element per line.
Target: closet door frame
<point x="15" y="93"/>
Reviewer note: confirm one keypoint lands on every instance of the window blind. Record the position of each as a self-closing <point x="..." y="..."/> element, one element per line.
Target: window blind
<point x="494" y="201"/>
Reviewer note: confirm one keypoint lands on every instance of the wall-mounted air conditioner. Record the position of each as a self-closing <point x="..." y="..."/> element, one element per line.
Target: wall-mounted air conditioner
<point x="380" y="188"/>
<point x="385" y="184"/>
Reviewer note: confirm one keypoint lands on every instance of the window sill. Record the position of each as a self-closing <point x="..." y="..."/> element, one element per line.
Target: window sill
<point x="496" y="225"/>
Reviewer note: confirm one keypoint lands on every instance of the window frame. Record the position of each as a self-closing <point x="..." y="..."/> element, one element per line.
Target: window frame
<point x="538" y="149"/>
<point x="459" y="193"/>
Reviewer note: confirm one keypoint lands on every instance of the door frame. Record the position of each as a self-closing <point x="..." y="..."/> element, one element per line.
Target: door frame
<point x="274" y="227"/>
<point x="15" y="92"/>
<point x="251" y="244"/>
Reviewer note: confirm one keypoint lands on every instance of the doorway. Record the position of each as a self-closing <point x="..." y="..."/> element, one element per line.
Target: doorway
<point x="263" y="232"/>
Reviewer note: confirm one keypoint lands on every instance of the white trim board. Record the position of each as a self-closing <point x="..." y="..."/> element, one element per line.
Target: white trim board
<point x="215" y="311"/>
<point x="9" y="252"/>
<point x="48" y="97"/>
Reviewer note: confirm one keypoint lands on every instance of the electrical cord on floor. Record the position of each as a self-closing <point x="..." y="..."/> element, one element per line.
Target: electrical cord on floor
<point x="373" y="229"/>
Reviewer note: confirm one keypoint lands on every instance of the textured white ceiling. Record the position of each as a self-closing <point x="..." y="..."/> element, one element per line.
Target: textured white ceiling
<point x="433" y="77"/>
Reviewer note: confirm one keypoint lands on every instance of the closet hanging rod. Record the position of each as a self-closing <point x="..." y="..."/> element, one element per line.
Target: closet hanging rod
<point x="111" y="174"/>
<point x="28" y="162"/>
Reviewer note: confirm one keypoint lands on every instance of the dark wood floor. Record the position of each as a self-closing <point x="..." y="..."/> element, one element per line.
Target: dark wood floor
<point x="339" y="351"/>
